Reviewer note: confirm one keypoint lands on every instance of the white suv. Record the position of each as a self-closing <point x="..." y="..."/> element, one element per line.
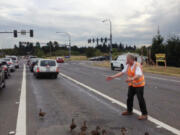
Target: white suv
<point x="46" y="67"/>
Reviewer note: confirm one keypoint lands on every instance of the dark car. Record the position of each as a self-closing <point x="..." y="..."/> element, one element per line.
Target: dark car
<point x="5" y="67"/>
<point x="32" y="63"/>
<point x="2" y="77"/>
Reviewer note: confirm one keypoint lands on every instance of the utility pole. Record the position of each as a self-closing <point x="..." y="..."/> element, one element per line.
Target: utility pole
<point x="69" y="39"/>
<point x="110" y="46"/>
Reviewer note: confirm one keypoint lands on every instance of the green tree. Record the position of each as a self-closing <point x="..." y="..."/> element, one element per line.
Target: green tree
<point x="157" y="45"/>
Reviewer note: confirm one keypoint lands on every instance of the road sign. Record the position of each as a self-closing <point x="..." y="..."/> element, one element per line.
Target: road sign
<point x="160" y="57"/>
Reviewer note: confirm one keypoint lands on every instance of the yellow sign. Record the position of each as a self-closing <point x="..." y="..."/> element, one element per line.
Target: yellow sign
<point x="160" y="57"/>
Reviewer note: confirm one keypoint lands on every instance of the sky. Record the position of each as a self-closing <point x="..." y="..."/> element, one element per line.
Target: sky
<point x="133" y="21"/>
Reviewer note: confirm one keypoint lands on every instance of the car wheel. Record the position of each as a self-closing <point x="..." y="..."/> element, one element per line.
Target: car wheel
<point x="112" y="67"/>
<point x="55" y="76"/>
<point x="122" y="67"/>
<point x="37" y="76"/>
<point x="4" y="84"/>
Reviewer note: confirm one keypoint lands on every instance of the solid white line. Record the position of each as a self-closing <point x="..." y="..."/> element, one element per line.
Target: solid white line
<point x="150" y="118"/>
<point x="21" y="119"/>
<point x="159" y="78"/>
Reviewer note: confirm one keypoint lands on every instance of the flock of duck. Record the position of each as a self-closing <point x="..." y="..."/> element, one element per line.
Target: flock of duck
<point x="84" y="128"/>
<point x="96" y="131"/>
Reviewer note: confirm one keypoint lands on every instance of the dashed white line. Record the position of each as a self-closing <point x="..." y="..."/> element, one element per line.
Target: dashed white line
<point x="21" y="119"/>
<point x="150" y="118"/>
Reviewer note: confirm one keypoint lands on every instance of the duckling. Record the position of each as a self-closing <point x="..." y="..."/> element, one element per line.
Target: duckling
<point x="84" y="126"/>
<point x="96" y="132"/>
<point x="73" y="125"/>
<point x="146" y="133"/>
<point x="41" y="113"/>
<point x="123" y="130"/>
<point x="82" y="133"/>
<point x="104" y="132"/>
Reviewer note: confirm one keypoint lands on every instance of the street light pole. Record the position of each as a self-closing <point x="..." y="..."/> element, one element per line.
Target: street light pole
<point x="110" y="23"/>
<point x="69" y="38"/>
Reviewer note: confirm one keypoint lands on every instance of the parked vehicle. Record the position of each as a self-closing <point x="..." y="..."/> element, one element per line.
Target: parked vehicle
<point x="5" y="67"/>
<point x="46" y="67"/>
<point x="2" y="77"/>
<point x="10" y="64"/>
<point x="59" y="60"/>
<point x="120" y="61"/>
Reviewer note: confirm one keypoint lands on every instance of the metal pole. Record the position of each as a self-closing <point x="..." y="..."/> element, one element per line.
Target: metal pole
<point x="69" y="38"/>
<point x="110" y="45"/>
<point x="110" y="55"/>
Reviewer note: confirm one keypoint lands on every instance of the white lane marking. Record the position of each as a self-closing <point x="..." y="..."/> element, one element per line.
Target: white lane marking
<point x="21" y="119"/>
<point x="159" y="78"/>
<point x="150" y="118"/>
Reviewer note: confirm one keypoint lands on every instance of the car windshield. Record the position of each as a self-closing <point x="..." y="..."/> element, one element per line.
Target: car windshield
<point x="7" y="59"/>
<point x="48" y="63"/>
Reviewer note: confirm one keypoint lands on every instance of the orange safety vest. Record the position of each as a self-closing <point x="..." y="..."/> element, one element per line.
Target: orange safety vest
<point x="131" y="73"/>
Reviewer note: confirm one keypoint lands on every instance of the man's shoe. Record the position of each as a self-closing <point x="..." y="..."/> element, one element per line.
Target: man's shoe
<point x="143" y="117"/>
<point x="127" y="113"/>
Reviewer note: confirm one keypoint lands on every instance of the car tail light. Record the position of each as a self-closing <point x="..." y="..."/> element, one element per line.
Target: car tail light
<point x="9" y="63"/>
<point x="37" y="69"/>
<point x="57" y="69"/>
<point x="4" y="68"/>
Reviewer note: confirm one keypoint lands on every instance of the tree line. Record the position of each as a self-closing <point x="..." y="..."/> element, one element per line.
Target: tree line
<point x="170" y="46"/>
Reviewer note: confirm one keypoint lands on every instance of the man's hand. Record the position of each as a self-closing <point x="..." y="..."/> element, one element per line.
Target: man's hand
<point x="109" y="78"/>
<point x="129" y="80"/>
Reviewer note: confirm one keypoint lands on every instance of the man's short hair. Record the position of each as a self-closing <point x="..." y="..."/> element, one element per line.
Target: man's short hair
<point x="131" y="56"/>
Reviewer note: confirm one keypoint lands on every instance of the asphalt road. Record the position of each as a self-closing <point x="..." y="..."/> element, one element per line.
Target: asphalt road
<point x="62" y="99"/>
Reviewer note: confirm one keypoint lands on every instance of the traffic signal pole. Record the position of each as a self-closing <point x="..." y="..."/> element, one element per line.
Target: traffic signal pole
<point x="110" y="46"/>
<point x="69" y="38"/>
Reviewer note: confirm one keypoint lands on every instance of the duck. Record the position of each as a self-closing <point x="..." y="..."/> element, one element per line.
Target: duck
<point x="123" y="130"/>
<point x="104" y="132"/>
<point x="82" y="133"/>
<point x="41" y="113"/>
<point x="73" y="125"/>
<point x="96" y="131"/>
<point x="84" y="126"/>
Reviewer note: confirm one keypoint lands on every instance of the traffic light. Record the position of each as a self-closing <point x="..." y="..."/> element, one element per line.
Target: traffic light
<point x="15" y="33"/>
<point x="102" y="40"/>
<point x="89" y="40"/>
<point x="105" y="40"/>
<point x="31" y="33"/>
<point x="93" y="40"/>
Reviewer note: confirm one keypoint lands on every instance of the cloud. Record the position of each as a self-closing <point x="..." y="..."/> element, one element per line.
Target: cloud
<point x="134" y="22"/>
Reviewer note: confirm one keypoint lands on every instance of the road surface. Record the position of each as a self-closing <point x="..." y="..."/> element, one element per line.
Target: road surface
<point x="81" y="92"/>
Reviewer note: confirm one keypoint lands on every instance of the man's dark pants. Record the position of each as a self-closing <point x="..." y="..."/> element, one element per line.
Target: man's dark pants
<point x="139" y="91"/>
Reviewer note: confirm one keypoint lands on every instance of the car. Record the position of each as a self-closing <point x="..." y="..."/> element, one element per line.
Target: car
<point x="15" y="60"/>
<point x="121" y="60"/>
<point x="59" y="60"/>
<point x="5" y="68"/>
<point x="10" y="64"/>
<point x="29" y="59"/>
<point x="32" y="63"/>
<point x="2" y="77"/>
<point x="46" y="67"/>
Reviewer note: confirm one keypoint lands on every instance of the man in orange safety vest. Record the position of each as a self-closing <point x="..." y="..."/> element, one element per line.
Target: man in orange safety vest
<point x="136" y="83"/>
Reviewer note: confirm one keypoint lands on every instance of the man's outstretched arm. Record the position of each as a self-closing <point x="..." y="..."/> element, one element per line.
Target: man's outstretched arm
<point x="114" y="76"/>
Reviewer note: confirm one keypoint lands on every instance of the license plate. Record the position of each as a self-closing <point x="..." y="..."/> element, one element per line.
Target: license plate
<point x="47" y="69"/>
